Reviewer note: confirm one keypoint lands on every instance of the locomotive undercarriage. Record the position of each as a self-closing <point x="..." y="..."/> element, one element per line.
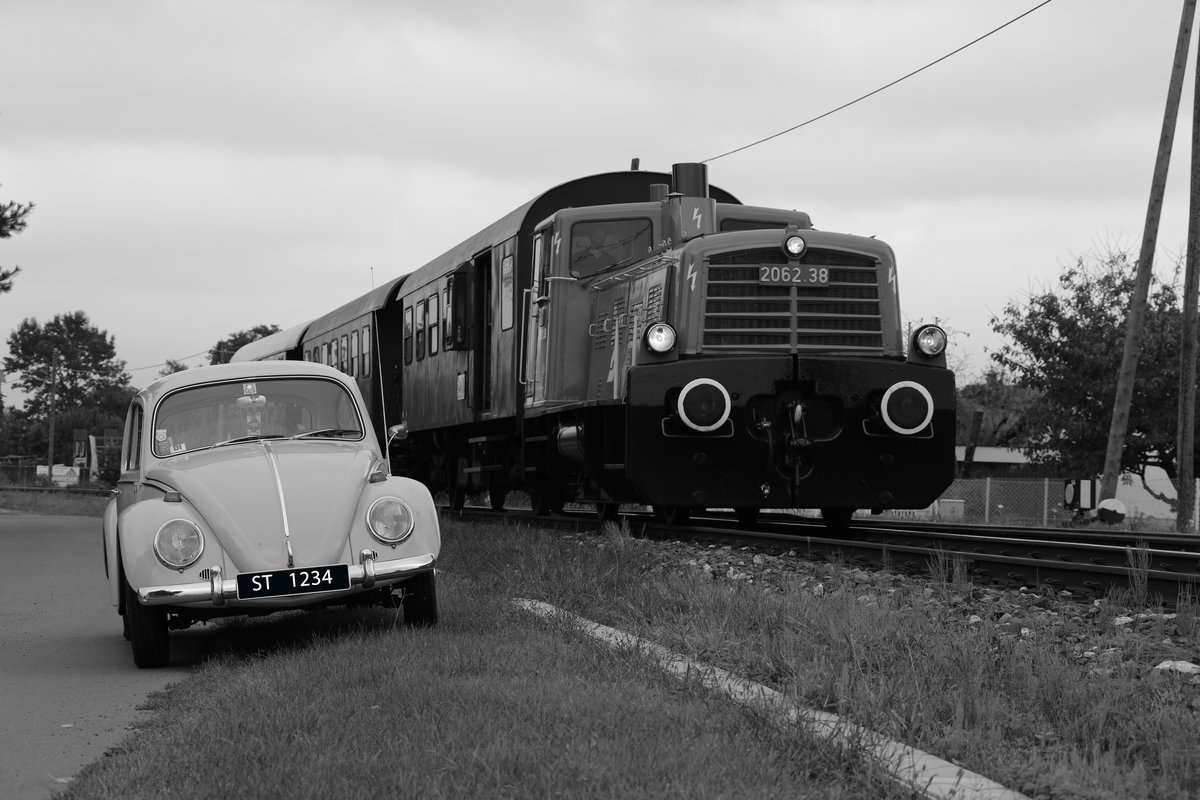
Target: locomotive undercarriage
<point x="799" y="433"/>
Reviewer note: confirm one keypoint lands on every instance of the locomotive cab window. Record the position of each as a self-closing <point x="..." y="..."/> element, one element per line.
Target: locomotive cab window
<point x="598" y="245"/>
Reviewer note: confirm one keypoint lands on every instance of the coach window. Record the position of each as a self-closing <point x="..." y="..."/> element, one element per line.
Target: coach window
<point x="433" y="324"/>
<point x="419" y="324"/>
<point x="596" y="246"/>
<point x="447" y="318"/>
<point x="336" y="354"/>
<point x="506" y="293"/>
<point x="354" y="353"/>
<point x="408" y="335"/>
<point x="343" y="363"/>
<point x="366" y="351"/>
<point x="328" y="354"/>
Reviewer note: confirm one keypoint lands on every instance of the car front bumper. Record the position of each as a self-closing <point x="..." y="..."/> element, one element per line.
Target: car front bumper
<point x="367" y="574"/>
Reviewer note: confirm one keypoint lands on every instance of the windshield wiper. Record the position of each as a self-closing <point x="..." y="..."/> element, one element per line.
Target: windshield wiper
<point x="237" y="439"/>
<point x="328" y="432"/>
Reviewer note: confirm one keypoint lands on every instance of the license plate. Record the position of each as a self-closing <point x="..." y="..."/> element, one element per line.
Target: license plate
<point x="793" y="275"/>
<point x="292" y="581"/>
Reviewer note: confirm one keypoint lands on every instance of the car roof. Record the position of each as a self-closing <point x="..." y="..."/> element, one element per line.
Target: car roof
<point x="243" y="371"/>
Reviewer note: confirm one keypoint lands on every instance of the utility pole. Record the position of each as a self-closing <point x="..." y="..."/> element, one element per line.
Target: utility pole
<point x="1137" y="303"/>
<point x="1185" y="442"/>
<point x="53" y="392"/>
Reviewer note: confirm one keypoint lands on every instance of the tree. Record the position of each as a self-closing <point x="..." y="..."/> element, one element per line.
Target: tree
<point x="70" y="357"/>
<point x="223" y="350"/>
<point x="1067" y="346"/>
<point x="1004" y="405"/>
<point x="171" y="367"/>
<point x="12" y="221"/>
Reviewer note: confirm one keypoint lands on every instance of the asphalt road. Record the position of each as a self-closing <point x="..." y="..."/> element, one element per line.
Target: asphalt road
<point x="68" y="688"/>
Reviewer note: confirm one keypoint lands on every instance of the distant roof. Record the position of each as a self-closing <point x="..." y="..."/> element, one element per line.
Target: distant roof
<point x="993" y="455"/>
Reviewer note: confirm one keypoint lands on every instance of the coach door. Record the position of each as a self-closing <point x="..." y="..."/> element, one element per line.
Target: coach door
<point x="480" y="377"/>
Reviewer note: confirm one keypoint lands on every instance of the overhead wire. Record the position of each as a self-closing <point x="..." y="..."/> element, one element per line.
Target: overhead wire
<point x="881" y="88"/>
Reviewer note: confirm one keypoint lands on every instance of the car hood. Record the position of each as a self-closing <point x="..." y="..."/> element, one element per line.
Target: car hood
<point x="259" y="496"/>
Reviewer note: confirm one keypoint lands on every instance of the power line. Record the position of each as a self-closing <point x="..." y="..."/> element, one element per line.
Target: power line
<point x="164" y="363"/>
<point x="881" y="88"/>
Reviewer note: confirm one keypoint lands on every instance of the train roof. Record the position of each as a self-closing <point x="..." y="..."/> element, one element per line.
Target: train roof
<point x="606" y="188"/>
<point x="373" y="300"/>
<point x="271" y="346"/>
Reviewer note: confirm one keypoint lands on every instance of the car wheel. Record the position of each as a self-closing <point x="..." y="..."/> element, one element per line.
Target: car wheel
<point x="125" y="627"/>
<point x="420" y="600"/>
<point x="147" y="631"/>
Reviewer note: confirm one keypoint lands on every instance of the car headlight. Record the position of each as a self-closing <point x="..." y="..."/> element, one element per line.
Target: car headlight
<point x="659" y="337"/>
<point x="390" y="520"/>
<point x="930" y="341"/>
<point x="794" y="246"/>
<point x="178" y="543"/>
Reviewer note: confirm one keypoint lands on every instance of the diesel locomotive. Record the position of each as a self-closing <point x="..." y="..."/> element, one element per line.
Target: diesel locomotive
<point x="644" y="337"/>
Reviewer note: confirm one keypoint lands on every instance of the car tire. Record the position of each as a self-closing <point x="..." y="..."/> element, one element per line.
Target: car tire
<point x="420" y="600"/>
<point x="147" y="632"/>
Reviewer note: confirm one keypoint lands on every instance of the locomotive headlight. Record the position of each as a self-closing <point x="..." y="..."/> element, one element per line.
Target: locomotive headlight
<point x="390" y="520"/>
<point x="178" y="543"/>
<point x="703" y="405"/>
<point x="930" y="341"/>
<point x="793" y="246"/>
<point x="659" y="338"/>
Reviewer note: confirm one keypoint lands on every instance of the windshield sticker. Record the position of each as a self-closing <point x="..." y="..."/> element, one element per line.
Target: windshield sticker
<point x="160" y="435"/>
<point x="249" y="388"/>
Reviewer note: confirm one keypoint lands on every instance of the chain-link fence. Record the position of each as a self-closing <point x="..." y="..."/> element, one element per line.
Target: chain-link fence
<point x="1029" y="502"/>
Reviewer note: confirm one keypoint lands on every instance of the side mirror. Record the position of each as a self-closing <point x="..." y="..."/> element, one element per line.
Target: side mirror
<point x="397" y="432"/>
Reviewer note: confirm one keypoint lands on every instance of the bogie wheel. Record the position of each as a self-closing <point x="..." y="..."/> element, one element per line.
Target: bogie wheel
<point x="456" y="490"/>
<point x="545" y="502"/>
<point x="608" y="512"/>
<point x="747" y="516"/>
<point x="147" y="627"/>
<point x="420" y="600"/>
<point x="497" y="495"/>
<point x="672" y="515"/>
<point x="837" y="519"/>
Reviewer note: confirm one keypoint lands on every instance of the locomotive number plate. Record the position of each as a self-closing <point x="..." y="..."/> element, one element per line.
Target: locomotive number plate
<point x="292" y="581"/>
<point x="788" y="275"/>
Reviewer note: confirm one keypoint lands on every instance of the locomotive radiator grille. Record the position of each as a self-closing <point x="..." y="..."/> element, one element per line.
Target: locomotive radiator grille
<point x="741" y="313"/>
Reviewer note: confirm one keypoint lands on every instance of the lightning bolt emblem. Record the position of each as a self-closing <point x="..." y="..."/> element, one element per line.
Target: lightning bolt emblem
<point x="691" y="275"/>
<point x="556" y="242"/>
<point x="697" y="216"/>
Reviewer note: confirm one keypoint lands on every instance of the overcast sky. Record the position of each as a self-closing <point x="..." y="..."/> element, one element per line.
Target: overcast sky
<point x="202" y="168"/>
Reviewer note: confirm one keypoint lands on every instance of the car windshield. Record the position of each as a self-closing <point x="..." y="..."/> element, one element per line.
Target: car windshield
<point x="227" y="413"/>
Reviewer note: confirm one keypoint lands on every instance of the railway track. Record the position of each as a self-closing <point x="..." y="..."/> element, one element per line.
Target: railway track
<point x="1087" y="564"/>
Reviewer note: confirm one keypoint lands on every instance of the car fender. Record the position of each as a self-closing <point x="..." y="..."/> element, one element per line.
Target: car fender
<point x="136" y="528"/>
<point x="112" y="569"/>
<point x="426" y="536"/>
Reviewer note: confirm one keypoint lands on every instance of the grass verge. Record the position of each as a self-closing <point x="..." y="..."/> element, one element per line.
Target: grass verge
<point x="496" y="704"/>
<point x="492" y="703"/>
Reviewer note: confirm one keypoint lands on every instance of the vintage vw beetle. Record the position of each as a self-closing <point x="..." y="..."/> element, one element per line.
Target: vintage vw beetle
<point x="256" y="487"/>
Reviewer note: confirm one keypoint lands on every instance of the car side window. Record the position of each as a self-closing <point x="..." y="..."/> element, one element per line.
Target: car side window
<point x="133" y="439"/>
